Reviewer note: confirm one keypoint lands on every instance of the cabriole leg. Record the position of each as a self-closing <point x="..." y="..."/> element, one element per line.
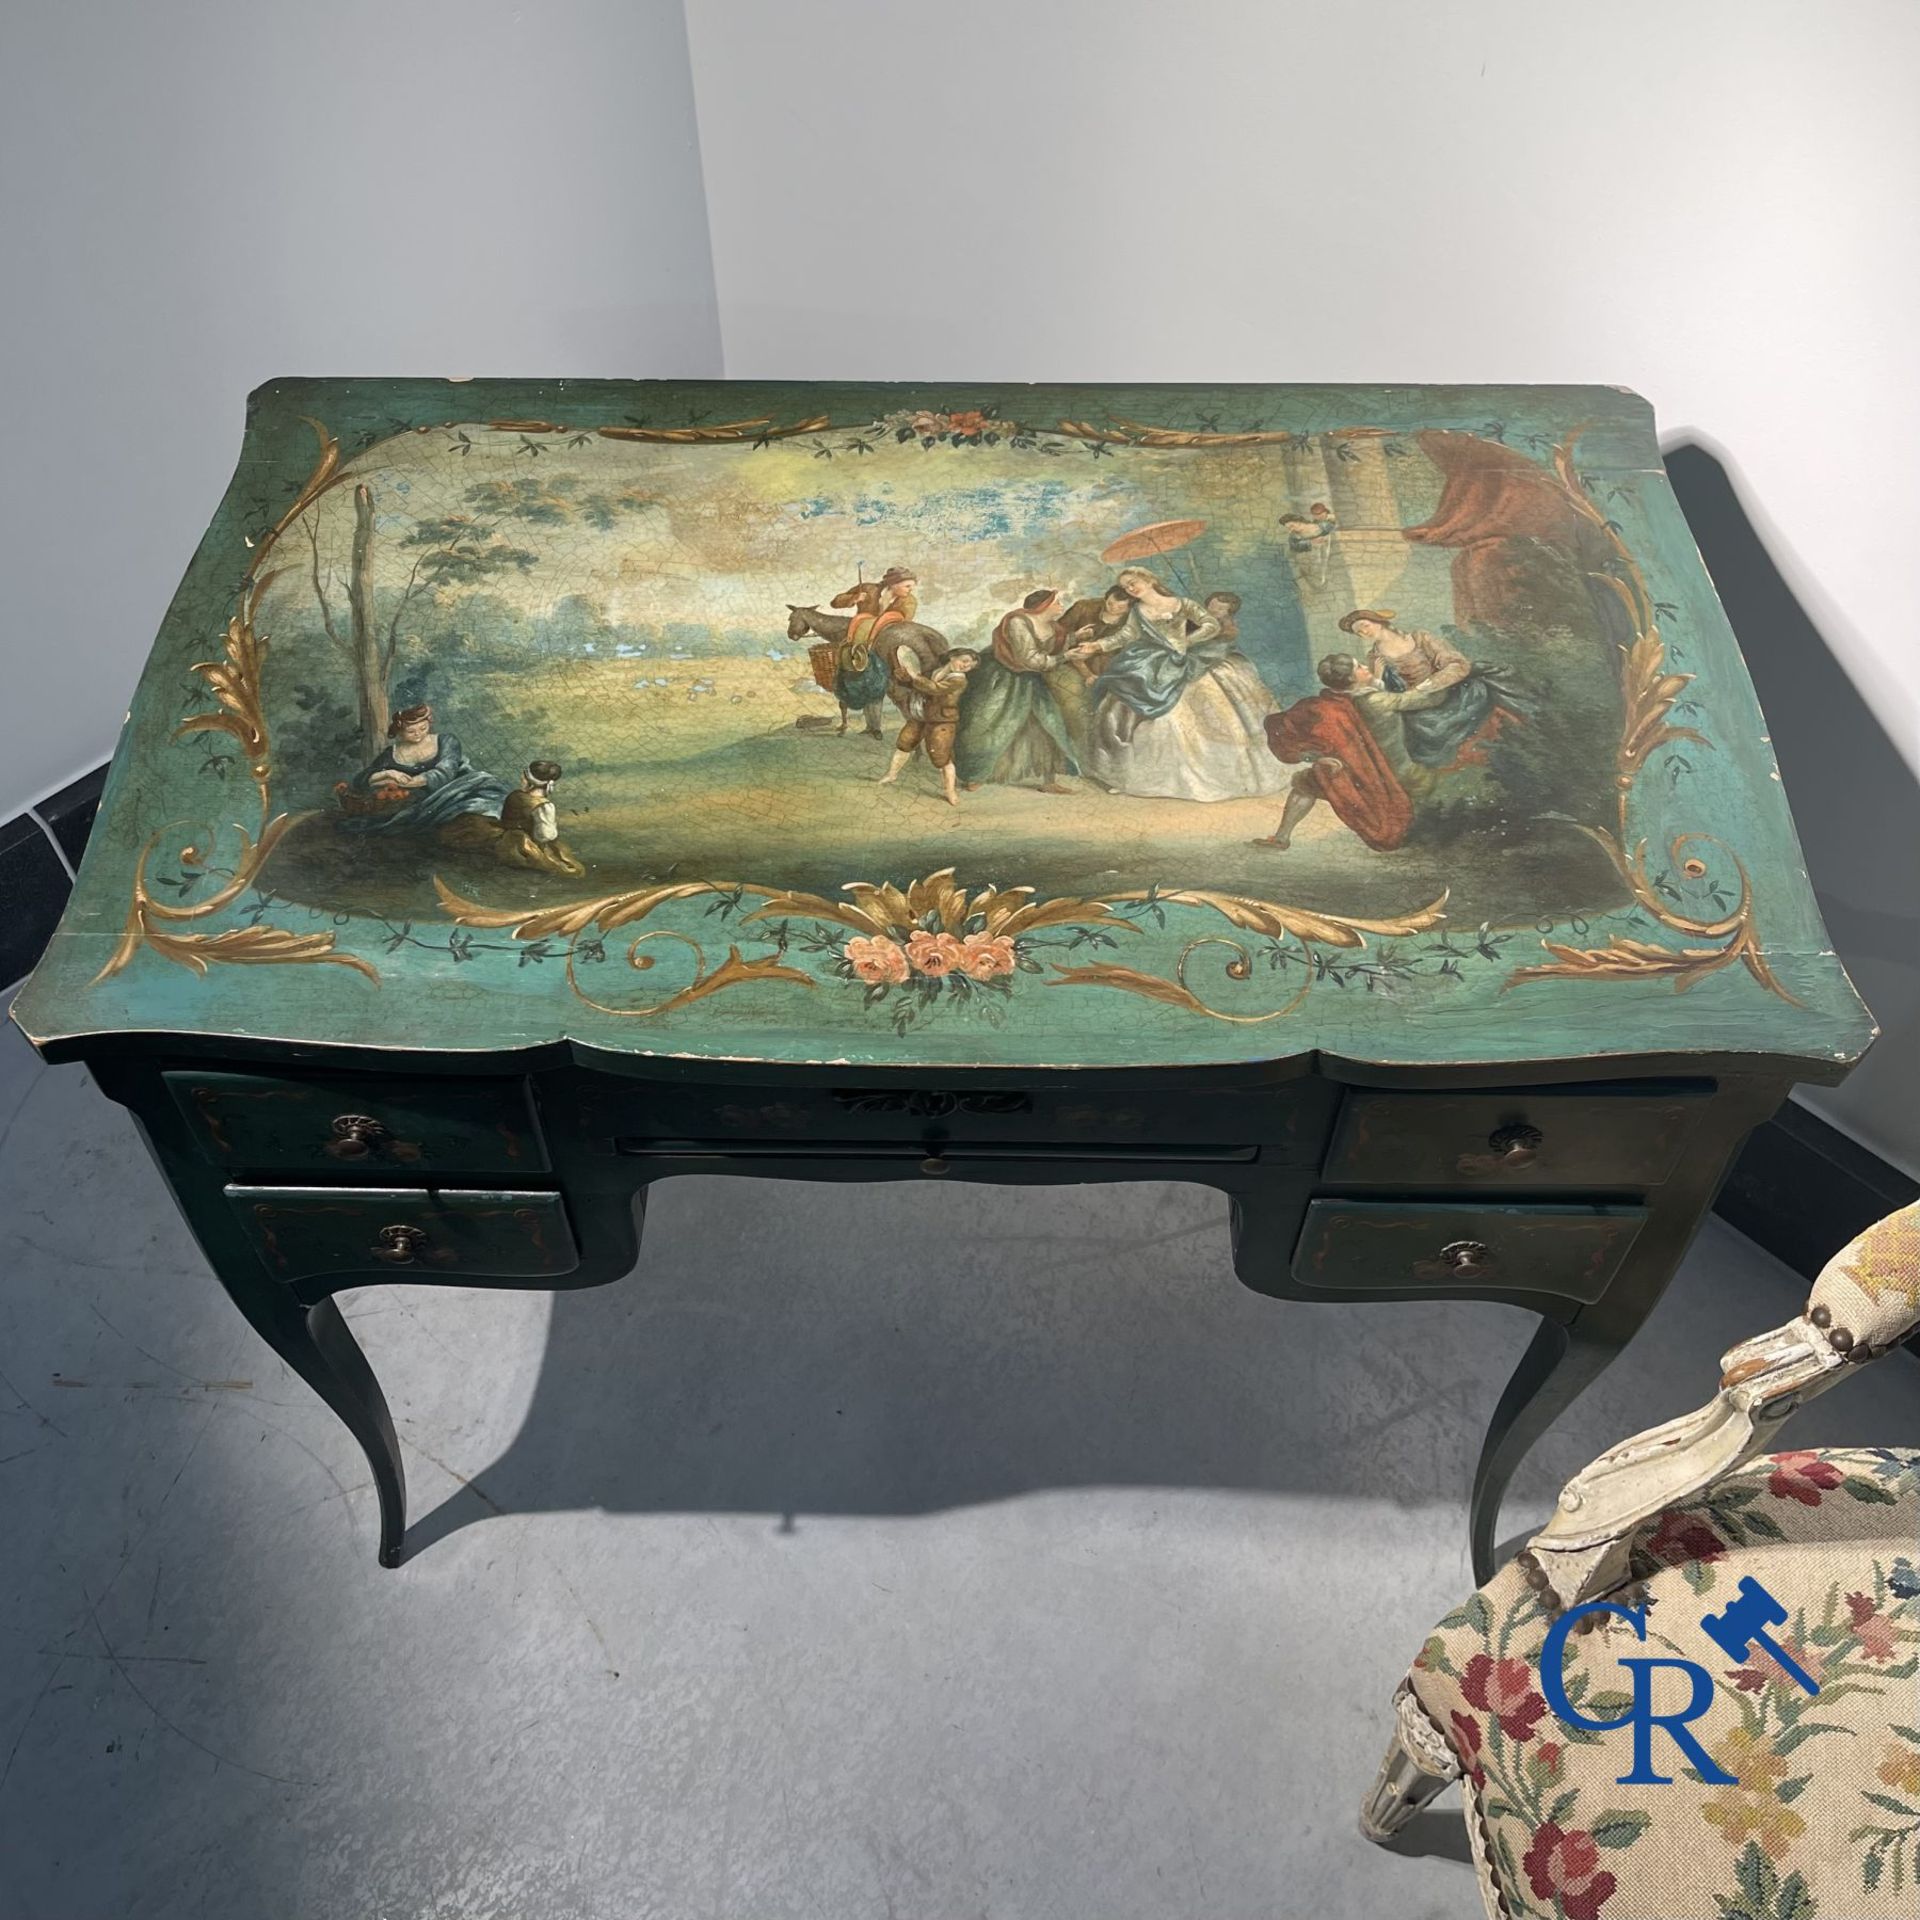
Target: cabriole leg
<point x="1559" y="1364"/>
<point x="317" y="1344"/>
<point x="313" y="1340"/>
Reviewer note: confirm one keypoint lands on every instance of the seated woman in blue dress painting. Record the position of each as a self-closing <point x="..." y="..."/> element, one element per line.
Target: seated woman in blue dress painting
<point x="1450" y="708"/>
<point x="423" y="782"/>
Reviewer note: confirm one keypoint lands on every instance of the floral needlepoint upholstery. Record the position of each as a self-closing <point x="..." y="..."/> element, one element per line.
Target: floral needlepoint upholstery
<point x="1867" y="1297"/>
<point x="1825" y="1821"/>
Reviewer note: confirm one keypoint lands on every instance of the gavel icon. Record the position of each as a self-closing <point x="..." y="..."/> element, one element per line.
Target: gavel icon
<point x="1743" y="1624"/>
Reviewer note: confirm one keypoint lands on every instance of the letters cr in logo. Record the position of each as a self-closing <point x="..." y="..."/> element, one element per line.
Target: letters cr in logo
<point x="1641" y="1714"/>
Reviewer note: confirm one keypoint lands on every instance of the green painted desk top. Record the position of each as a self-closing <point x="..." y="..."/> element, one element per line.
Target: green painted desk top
<point x="998" y="726"/>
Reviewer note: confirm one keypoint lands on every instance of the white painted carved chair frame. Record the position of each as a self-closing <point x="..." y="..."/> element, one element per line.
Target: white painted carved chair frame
<point x="1865" y="1302"/>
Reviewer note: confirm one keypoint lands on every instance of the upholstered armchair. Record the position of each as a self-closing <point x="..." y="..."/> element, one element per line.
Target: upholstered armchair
<point x="1815" y="1813"/>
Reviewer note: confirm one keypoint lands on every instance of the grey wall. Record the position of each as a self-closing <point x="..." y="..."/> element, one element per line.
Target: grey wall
<point x="199" y="197"/>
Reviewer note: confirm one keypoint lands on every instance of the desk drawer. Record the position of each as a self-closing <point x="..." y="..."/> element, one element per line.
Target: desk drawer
<point x="942" y="1157"/>
<point x="342" y="1123"/>
<point x="408" y="1232"/>
<point x="1570" y="1252"/>
<point x="1287" y="1123"/>
<point x="1596" y="1137"/>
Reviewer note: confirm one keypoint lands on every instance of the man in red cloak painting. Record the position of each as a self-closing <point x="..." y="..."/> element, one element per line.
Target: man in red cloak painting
<point x="1345" y="766"/>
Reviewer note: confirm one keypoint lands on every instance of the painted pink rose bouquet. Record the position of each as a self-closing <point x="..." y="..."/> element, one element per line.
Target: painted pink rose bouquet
<point x="935" y="943"/>
<point x="979" y="956"/>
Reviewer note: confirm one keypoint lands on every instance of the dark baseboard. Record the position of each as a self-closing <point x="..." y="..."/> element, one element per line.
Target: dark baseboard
<point x="1800" y="1189"/>
<point x="68" y="814"/>
<point x="39" y="850"/>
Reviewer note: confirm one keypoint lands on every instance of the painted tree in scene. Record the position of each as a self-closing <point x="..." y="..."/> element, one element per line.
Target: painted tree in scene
<point x="455" y="550"/>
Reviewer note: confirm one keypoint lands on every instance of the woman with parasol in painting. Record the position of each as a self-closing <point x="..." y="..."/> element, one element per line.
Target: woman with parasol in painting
<point x="1178" y="710"/>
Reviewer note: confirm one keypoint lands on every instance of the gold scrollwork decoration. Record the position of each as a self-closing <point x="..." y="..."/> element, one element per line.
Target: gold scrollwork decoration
<point x="1648" y="691"/>
<point x="235" y="680"/>
<point x="1268" y="917"/>
<point x="887" y="911"/>
<point x="1175" y="992"/>
<point x="1627" y="959"/>
<point x="613" y="911"/>
<point x="154" y="925"/>
<point x="733" y="971"/>
<point x="936" y="907"/>
<point x="1309" y="927"/>
<point x="761" y="431"/>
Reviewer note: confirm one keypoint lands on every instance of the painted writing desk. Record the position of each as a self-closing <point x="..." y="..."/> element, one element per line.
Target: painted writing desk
<point x="1351" y="799"/>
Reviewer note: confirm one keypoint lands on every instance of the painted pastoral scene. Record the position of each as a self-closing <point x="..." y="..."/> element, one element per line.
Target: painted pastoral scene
<point x="1351" y="670"/>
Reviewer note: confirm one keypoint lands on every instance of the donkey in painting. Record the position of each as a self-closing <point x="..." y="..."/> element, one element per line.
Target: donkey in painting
<point x="858" y="676"/>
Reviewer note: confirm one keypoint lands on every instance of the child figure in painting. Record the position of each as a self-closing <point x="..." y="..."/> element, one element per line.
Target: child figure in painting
<point x="530" y="824"/>
<point x="1225" y="608"/>
<point x="1312" y="533"/>
<point x="1304" y="531"/>
<point x="1344" y="764"/>
<point x="933" y="717"/>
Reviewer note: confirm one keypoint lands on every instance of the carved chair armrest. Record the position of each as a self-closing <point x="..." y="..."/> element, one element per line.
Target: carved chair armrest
<point x="1865" y="1302"/>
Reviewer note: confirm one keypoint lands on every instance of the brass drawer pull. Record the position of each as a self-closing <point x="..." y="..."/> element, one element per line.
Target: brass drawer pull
<point x="1518" y="1145"/>
<point x="934" y="1164"/>
<point x="398" y="1246"/>
<point x="359" y="1136"/>
<point x="355" y="1136"/>
<point x="1466" y="1259"/>
<point x="1595" y="1137"/>
<point x="1570" y="1251"/>
<point x="1509" y="1149"/>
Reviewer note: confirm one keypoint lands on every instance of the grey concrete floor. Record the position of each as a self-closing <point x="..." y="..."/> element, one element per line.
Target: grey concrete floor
<point x="869" y="1554"/>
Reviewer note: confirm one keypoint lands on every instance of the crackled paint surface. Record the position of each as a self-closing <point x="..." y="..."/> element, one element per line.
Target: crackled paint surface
<point x="1224" y="724"/>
